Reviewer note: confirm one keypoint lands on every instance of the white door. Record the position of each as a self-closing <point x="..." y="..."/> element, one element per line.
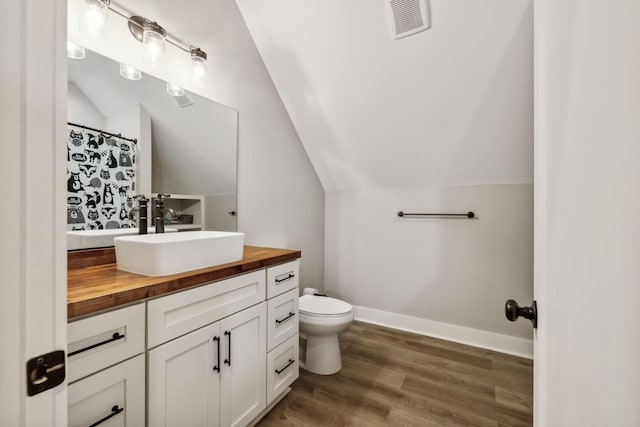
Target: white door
<point x="244" y="380"/>
<point x="184" y="380"/>
<point x="33" y="315"/>
<point x="587" y="214"/>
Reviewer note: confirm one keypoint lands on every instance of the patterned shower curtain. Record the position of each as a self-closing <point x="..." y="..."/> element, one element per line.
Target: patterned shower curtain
<point x="100" y="180"/>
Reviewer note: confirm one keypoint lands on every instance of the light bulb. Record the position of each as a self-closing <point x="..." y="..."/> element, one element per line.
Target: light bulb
<point x="94" y="18"/>
<point x="153" y="41"/>
<point x="75" y="51"/>
<point x="198" y="67"/>
<point x="174" y="89"/>
<point x="129" y="72"/>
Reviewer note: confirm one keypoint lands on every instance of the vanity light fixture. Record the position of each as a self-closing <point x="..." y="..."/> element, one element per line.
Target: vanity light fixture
<point x="151" y="34"/>
<point x="129" y="72"/>
<point x="94" y="17"/>
<point x="75" y="51"/>
<point x="174" y="89"/>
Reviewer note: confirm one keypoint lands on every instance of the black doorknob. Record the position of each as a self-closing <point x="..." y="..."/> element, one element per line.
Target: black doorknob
<point x="513" y="311"/>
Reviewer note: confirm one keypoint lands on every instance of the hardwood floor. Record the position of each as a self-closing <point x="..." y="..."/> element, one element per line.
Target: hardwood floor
<point x="395" y="378"/>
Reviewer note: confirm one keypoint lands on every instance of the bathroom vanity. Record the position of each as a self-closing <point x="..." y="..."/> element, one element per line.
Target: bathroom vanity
<point x="216" y="346"/>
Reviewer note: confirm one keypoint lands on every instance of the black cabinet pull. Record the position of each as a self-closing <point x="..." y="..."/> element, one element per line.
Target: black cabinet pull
<point x="286" y="366"/>
<point x="217" y="365"/>
<point x="228" y="361"/>
<point x="114" y="411"/>
<point x="116" y="336"/>
<point x="285" y="319"/>
<point x="289" y="277"/>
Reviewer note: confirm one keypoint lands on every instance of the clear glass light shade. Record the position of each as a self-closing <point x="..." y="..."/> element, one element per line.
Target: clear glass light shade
<point x="198" y="72"/>
<point x="153" y="42"/>
<point x="93" y="19"/>
<point x="174" y="89"/>
<point x="129" y="72"/>
<point x="75" y="51"/>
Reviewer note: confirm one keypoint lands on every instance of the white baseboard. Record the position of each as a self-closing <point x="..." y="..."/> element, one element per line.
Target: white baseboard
<point x="490" y="340"/>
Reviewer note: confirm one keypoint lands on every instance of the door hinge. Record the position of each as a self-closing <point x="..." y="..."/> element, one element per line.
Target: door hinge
<point x="45" y="372"/>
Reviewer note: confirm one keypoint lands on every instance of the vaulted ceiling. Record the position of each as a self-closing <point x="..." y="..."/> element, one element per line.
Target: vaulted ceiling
<point x="450" y="105"/>
<point x="447" y="106"/>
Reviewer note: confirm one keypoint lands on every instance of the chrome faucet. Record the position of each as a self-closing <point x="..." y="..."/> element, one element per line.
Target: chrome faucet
<point x="159" y="204"/>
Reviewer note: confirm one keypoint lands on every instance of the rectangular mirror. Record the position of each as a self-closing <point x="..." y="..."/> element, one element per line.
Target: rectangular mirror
<point x="129" y="137"/>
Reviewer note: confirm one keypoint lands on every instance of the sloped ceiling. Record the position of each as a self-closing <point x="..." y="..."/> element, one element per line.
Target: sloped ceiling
<point x="451" y="105"/>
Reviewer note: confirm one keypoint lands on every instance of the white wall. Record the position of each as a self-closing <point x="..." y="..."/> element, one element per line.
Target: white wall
<point x="454" y="271"/>
<point x="81" y="110"/>
<point x="280" y="199"/>
<point x="216" y="209"/>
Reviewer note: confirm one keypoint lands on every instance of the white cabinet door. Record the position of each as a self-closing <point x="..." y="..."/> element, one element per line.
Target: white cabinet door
<point x="243" y="393"/>
<point x="113" y="397"/>
<point x="184" y="380"/>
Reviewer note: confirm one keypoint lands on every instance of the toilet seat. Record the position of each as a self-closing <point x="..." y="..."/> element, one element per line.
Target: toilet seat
<point x="317" y="306"/>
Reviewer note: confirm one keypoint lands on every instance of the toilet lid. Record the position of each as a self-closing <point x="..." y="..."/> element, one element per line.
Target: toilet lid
<point x="323" y="306"/>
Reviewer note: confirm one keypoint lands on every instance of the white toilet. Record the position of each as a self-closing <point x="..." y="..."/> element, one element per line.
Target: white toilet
<point x="321" y="319"/>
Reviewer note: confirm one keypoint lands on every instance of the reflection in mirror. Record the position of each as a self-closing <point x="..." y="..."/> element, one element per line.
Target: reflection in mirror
<point x="129" y="137"/>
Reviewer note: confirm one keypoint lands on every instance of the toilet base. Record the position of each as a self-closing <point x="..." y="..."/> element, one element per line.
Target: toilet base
<point x="323" y="354"/>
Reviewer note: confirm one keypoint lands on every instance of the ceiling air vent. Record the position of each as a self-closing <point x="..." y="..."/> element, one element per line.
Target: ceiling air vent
<point x="407" y="17"/>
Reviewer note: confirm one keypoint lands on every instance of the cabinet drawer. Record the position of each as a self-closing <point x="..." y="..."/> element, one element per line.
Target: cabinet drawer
<point x="101" y="341"/>
<point x="282" y="278"/>
<point x="115" y="396"/>
<point x="174" y="315"/>
<point x="282" y="318"/>
<point x="282" y="367"/>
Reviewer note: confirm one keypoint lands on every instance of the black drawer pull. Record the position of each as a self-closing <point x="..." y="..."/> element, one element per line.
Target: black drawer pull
<point x="284" y="279"/>
<point x="116" y="336"/>
<point x="217" y="366"/>
<point x="286" y="366"/>
<point x="114" y="411"/>
<point x="285" y="319"/>
<point x="228" y="361"/>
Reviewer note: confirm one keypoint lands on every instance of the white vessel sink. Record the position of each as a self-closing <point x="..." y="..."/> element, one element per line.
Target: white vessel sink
<point x="163" y="254"/>
<point x="85" y="239"/>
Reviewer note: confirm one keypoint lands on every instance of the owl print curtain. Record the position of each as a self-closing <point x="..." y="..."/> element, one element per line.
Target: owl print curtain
<point x="100" y="180"/>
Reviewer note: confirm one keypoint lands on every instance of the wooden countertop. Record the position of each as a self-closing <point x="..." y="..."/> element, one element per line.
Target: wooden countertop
<point x="102" y="287"/>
